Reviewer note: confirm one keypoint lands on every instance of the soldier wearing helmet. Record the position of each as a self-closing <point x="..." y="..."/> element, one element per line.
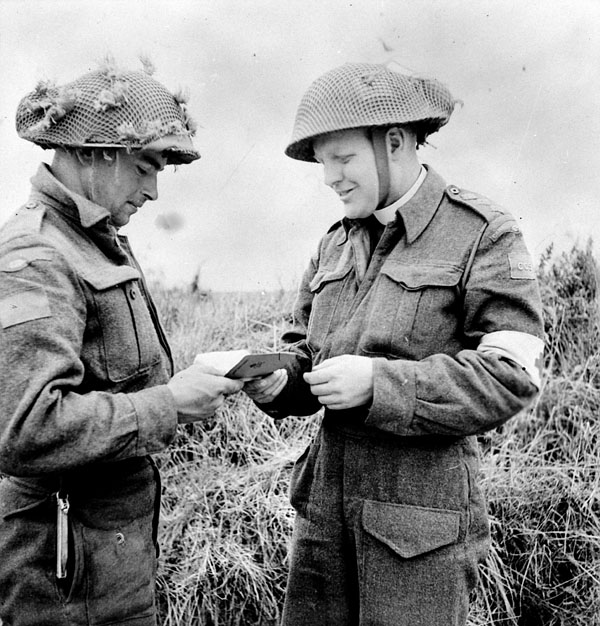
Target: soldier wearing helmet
<point x="417" y="327"/>
<point x="87" y="391"/>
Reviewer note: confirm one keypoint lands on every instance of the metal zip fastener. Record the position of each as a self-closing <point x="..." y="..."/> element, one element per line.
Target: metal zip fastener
<point x="62" y="535"/>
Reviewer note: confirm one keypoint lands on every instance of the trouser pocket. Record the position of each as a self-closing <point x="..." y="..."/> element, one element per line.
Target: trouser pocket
<point x="114" y="571"/>
<point x="413" y="570"/>
<point x="301" y="480"/>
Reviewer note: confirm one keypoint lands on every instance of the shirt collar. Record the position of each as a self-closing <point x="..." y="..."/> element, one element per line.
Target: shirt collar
<point x="46" y="183"/>
<point x="418" y="210"/>
<point x="388" y="213"/>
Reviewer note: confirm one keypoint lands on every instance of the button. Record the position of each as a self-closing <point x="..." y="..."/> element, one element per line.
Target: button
<point x="120" y="538"/>
<point x="454" y="190"/>
<point x="31" y="204"/>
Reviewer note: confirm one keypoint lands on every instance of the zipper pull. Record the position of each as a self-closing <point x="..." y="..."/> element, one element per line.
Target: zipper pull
<point x="62" y="535"/>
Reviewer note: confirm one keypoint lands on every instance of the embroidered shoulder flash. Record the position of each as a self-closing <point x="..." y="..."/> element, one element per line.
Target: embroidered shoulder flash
<point x="504" y="223"/>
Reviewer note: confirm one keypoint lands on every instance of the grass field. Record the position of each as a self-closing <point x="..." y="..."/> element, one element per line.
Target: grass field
<point x="226" y="519"/>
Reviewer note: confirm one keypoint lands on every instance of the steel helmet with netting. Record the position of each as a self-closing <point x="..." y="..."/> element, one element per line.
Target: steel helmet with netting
<point x="109" y="108"/>
<point x="357" y="95"/>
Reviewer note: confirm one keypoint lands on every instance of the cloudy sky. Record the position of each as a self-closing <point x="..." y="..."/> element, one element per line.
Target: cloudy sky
<point x="527" y="135"/>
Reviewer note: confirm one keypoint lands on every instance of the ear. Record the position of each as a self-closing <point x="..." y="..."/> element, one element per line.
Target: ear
<point x="396" y="138"/>
<point x="89" y="156"/>
<point x="84" y="156"/>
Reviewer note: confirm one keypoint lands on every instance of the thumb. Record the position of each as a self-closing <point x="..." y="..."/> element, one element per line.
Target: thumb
<point x="232" y="386"/>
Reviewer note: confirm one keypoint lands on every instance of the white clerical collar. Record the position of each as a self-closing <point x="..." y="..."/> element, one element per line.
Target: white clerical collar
<point x="388" y="213"/>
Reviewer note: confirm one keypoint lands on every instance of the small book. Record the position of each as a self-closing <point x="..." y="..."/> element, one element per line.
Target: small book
<point x="245" y="364"/>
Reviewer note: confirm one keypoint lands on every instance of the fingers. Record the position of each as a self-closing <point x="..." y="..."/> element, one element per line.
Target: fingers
<point x="317" y="377"/>
<point x="324" y="372"/>
<point x="266" y="389"/>
<point x="342" y="382"/>
<point x="206" y="411"/>
<point x="327" y="394"/>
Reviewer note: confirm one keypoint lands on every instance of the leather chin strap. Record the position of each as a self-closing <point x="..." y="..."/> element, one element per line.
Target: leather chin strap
<point x="377" y="135"/>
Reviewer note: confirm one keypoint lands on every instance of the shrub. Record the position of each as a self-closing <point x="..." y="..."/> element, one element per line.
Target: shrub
<point x="541" y="470"/>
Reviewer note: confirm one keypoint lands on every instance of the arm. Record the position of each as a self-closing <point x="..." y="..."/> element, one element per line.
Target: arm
<point x="481" y="387"/>
<point x="51" y="419"/>
<point x="292" y="396"/>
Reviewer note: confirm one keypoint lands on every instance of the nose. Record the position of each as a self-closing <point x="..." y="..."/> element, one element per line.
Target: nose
<point x="332" y="174"/>
<point x="150" y="188"/>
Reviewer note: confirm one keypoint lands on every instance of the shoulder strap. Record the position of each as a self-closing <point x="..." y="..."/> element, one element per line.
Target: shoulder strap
<point x="27" y="220"/>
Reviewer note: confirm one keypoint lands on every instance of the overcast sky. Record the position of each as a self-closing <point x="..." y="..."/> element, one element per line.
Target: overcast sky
<point x="527" y="135"/>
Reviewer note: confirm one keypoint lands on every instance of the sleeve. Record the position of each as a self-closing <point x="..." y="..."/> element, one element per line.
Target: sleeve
<point x="497" y="375"/>
<point x="296" y="398"/>
<point x="47" y="424"/>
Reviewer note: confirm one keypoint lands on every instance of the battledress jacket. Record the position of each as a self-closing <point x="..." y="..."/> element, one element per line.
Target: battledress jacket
<point x="450" y="313"/>
<point x="83" y="403"/>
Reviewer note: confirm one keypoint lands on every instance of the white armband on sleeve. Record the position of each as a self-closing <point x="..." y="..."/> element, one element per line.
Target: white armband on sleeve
<point x="524" y="349"/>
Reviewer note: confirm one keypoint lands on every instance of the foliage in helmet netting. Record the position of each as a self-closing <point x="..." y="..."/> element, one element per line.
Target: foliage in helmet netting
<point x="106" y="107"/>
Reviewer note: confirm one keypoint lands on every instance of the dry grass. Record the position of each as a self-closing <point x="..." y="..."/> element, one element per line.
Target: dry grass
<point x="226" y="518"/>
<point x="542" y="471"/>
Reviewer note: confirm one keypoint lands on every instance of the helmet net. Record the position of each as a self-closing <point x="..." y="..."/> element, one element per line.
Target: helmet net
<point x="105" y="108"/>
<point x="362" y="94"/>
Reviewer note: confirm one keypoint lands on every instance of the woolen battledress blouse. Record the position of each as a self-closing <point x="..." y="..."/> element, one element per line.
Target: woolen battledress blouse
<point x="83" y="362"/>
<point x="448" y="273"/>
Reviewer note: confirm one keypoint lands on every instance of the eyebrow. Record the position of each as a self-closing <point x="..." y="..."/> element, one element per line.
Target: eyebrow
<point x="335" y="154"/>
<point x="157" y="165"/>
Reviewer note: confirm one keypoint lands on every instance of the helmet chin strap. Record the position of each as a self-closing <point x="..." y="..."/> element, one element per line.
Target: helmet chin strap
<point x="377" y="135"/>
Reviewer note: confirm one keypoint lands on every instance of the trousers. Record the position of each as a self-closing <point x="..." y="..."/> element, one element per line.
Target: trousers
<point x="112" y="561"/>
<point x="368" y="548"/>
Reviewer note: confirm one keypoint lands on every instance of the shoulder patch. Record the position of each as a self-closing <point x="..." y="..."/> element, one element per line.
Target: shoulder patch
<point x="478" y="203"/>
<point x="521" y="266"/>
<point x="16" y="260"/>
<point x="24" y="306"/>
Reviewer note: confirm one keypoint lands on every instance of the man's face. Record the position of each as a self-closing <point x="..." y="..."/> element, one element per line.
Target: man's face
<point x="125" y="183"/>
<point x="349" y="169"/>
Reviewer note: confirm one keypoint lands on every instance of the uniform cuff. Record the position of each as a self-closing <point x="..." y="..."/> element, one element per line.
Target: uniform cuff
<point x="394" y="396"/>
<point x="156" y="418"/>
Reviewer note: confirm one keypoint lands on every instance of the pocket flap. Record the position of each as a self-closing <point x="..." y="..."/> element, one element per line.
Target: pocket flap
<point x="422" y="275"/>
<point x="327" y="276"/>
<point x="108" y="275"/>
<point x="410" y="530"/>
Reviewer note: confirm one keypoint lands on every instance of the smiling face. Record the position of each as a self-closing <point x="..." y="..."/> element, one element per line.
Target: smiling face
<point x="122" y="184"/>
<point x="349" y="169"/>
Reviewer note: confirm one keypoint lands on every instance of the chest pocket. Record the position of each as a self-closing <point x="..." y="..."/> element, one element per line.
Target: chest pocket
<point x="329" y="290"/>
<point x="414" y="310"/>
<point x="124" y="336"/>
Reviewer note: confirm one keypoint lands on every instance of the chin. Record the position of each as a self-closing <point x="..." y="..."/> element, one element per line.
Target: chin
<point x="357" y="212"/>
